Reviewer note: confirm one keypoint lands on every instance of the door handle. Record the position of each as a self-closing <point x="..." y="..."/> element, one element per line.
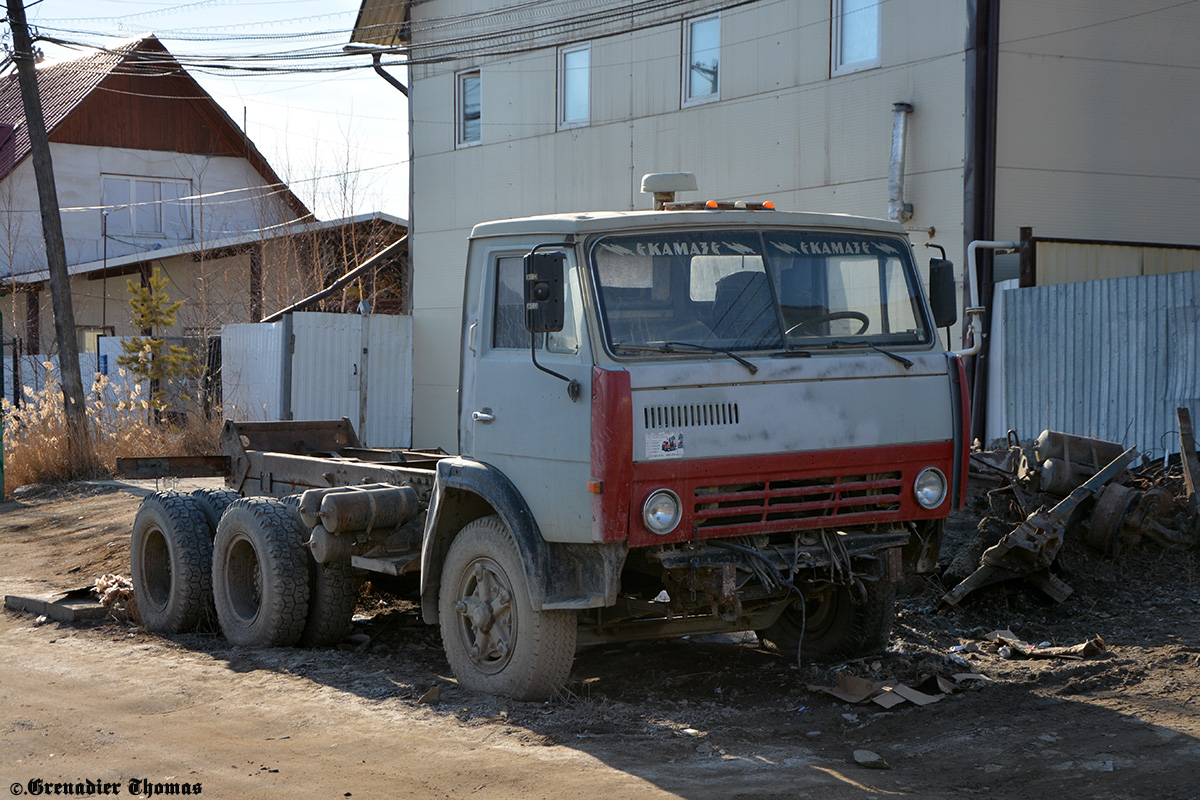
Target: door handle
<point x="481" y="416"/>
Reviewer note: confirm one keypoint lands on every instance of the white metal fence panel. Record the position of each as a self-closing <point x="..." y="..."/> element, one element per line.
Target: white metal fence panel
<point x="252" y="371"/>
<point x="388" y="379"/>
<point x="327" y="365"/>
<point x="338" y="365"/>
<point x="1108" y="358"/>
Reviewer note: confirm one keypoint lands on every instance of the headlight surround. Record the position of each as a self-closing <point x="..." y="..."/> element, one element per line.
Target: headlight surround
<point x="930" y="487"/>
<point x="662" y="511"/>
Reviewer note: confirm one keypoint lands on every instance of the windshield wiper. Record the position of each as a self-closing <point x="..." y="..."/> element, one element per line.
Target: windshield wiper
<point x="722" y="350"/>
<point x="669" y="347"/>
<point x="893" y="356"/>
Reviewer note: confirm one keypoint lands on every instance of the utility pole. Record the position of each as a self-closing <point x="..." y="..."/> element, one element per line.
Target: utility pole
<point x="56" y="253"/>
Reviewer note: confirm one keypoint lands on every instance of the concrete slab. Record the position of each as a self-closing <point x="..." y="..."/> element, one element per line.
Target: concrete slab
<point x="66" y="610"/>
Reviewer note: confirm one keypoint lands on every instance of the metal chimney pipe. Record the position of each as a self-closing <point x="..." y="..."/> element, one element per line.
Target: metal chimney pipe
<point x="898" y="210"/>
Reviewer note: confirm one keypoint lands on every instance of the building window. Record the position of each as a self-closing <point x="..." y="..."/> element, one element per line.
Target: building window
<point x="89" y="337"/>
<point x="854" y="36"/>
<point x="153" y="207"/>
<point x="702" y="60"/>
<point x="574" y="86"/>
<point x="468" y="101"/>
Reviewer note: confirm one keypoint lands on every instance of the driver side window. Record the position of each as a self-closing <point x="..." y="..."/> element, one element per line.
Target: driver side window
<point x="508" y="312"/>
<point x="566" y="341"/>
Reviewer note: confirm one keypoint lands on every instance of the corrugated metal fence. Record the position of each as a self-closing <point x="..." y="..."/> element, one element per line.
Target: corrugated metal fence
<point x="1106" y="358"/>
<point x="323" y="366"/>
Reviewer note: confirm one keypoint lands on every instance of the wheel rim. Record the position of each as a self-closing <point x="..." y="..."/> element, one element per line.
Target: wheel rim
<point x="156" y="562"/>
<point x="820" y="612"/>
<point x="487" y="625"/>
<point x="244" y="583"/>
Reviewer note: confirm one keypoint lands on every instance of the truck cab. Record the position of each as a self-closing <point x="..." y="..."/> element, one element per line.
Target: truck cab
<point x="690" y="420"/>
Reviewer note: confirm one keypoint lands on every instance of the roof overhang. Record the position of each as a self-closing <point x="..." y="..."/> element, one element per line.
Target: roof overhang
<point x="382" y="23"/>
<point x="121" y="264"/>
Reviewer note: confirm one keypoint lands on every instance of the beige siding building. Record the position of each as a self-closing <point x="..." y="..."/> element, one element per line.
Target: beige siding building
<point x="1074" y="117"/>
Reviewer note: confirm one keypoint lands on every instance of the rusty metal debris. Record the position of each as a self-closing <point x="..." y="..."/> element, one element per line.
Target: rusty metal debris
<point x="1066" y="461"/>
<point x="1008" y="645"/>
<point x="1115" y="509"/>
<point x="1031" y="547"/>
<point x="1123" y="516"/>
<point x="1055" y="463"/>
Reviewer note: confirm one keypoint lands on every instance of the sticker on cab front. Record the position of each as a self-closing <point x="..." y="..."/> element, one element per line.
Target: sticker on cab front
<point x="664" y="444"/>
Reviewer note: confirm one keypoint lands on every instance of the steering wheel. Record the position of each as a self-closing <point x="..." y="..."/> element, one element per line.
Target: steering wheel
<point x="831" y="317"/>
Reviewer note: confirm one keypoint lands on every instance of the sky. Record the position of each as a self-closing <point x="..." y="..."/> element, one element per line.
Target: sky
<point x="339" y="138"/>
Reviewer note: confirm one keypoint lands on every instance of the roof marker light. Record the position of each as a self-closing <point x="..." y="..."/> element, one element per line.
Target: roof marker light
<point x="769" y="205"/>
<point x="711" y="204"/>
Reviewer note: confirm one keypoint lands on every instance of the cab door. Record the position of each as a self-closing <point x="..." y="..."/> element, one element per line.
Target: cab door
<point x="521" y="419"/>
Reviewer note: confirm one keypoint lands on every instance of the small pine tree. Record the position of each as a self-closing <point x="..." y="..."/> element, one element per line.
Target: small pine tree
<point x="149" y="358"/>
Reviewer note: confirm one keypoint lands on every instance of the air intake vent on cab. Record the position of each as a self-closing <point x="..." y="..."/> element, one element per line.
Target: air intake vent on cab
<point x="693" y="415"/>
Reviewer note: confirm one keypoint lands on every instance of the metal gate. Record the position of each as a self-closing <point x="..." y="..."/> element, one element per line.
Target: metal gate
<point x="313" y="365"/>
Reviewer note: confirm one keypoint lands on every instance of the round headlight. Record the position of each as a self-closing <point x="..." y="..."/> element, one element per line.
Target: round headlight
<point x="930" y="487"/>
<point x="661" y="511"/>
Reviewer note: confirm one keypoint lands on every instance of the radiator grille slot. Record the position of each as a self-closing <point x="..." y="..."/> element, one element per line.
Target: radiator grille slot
<point x="787" y="504"/>
<point x="693" y="415"/>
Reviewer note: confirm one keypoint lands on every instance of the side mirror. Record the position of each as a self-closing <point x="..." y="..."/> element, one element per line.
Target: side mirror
<point x="942" y="296"/>
<point x="544" y="292"/>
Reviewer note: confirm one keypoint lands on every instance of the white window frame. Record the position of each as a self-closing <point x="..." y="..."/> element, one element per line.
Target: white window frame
<point x="124" y="219"/>
<point x="460" y="109"/>
<point x="93" y="333"/>
<point x="686" y="77"/>
<point x="563" y="52"/>
<point x="836" y="65"/>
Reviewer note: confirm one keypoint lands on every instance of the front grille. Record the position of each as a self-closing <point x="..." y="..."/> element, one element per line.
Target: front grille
<point x="692" y="415"/>
<point x="790" y="504"/>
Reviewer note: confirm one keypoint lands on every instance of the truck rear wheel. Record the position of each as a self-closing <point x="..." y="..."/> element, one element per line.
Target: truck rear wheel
<point x="214" y="502"/>
<point x="260" y="574"/>
<point x="494" y="640"/>
<point x="836" y="627"/>
<point x="333" y="593"/>
<point x="171" y="561"/>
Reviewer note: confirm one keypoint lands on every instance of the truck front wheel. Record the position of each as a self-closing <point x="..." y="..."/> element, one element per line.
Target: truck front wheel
<point x="836" y="625"/>
<point x="494" y="640"/>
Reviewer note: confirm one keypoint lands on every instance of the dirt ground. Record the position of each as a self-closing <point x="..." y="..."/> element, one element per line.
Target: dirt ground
<point x="706" y="717"/>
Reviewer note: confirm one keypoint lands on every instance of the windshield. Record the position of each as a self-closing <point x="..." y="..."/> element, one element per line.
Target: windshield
<point x="753" y="290"/>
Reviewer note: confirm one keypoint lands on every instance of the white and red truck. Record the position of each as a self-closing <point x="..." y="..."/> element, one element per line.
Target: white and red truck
<point x="696" y="419"/>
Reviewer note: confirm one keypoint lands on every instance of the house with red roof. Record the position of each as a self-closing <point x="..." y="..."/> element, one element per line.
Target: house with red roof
<point x="152" y="173"/>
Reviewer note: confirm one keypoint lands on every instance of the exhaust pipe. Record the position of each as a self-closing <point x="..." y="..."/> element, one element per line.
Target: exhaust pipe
<point x="898" y="210"/>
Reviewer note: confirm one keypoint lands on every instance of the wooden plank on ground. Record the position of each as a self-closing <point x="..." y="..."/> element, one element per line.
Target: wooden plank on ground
<point x="174" y="467"/>
<point x="1187" y="449"/>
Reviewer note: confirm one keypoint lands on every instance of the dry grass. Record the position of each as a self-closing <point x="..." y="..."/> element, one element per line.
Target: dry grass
<point x="119" y="424"/>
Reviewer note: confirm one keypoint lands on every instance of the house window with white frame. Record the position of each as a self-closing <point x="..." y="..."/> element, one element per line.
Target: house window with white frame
<point x="89" y="337"/>
<point x="468" y="113"/>
<point x="156" y="208"/>
<point x="702" y="60"/>
<point x="574" y="85"/>
<point x="854" y="36"/>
